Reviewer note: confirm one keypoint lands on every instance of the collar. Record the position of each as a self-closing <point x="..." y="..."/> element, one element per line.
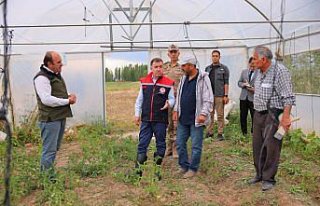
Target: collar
<point x="45" y="67"/>
<point x="171" y="65"/>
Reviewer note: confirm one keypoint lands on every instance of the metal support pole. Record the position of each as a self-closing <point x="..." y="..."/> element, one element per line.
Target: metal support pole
<point x="103" y="91"/>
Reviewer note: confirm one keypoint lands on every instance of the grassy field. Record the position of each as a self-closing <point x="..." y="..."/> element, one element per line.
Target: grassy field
<point x="121" y="98"/>
<point x="94" y="161"/>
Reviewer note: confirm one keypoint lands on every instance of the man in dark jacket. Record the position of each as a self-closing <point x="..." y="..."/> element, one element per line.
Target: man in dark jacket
<point x="246" y="83"/>
<point x="151" y="110"/>
<point x="219" y="77"/>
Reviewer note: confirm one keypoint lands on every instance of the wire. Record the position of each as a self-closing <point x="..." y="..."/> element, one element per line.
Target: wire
<point x="185" y="29"/>
<point x="204" y="9"/>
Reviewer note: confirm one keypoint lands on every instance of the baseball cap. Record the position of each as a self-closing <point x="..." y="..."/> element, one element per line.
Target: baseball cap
<point x="188" y="60"/>
<point x="173" y="47"/>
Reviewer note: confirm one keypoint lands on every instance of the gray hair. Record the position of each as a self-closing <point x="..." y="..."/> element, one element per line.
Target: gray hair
<point x="263" y="51"/>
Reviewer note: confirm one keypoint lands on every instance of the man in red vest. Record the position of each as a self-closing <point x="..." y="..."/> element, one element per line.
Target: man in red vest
<point x="156" y="95"/>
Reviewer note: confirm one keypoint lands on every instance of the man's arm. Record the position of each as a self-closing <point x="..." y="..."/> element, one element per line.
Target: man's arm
<point x="242" y="82"/>
<point x="287" y="97"/>
<point x="207" y="97"/>
<point x="170" y="101"/>
<point x="43" y="89"/>
<point x="285" y="121"/>
<point x="138" y="107"/>
<point x="226" y="86"/>
<point x="226" y="92"/>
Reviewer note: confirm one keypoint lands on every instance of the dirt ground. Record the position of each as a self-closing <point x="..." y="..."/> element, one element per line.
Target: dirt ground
<point x="230" y="189"/>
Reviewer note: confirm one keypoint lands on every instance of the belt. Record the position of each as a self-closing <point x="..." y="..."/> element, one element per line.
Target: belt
<point x="263" y="112"/>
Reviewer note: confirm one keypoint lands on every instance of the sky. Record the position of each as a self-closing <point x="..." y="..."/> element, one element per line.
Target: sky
<point x="119" y="59"/>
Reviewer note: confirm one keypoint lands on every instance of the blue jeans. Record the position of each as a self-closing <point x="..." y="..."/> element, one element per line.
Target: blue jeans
<point x="147" y="129"/>
<point x="183" y="134"/>
<point x="51" y="134"/>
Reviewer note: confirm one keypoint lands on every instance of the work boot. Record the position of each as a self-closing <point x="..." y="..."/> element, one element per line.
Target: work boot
<point x="141" y="159"/>
<point x="174" y="150"/>
<point x="158" y="161"/>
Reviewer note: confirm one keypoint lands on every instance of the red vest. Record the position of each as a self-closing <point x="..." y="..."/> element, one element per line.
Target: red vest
<point x="154" y="98"/>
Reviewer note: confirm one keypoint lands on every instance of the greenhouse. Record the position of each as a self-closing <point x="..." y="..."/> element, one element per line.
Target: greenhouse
<point x="94" y="36"/>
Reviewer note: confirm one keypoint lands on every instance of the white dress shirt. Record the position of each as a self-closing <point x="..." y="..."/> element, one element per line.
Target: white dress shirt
<point x="43" y="89"/>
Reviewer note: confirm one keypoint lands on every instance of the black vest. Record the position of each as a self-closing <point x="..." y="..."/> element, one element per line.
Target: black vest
<point x="59" y="90"/>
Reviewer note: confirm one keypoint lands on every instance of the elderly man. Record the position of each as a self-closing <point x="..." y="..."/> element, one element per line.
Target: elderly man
<point x="273" y="96"/>
<point x="219" y="77"/>
<point x="54" y="106"/>
<point x="173" y="70"/>
<point x="151" y="108"/>
<point x="192" y="111"/>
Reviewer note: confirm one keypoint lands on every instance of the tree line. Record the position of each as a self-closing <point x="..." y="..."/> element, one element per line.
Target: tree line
<point x="128" y="73"/>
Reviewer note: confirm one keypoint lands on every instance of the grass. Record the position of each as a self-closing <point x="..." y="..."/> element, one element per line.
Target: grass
<point x="100" y="172"/>
<point x="105" y="156"/>
<point x="122" y="86"/>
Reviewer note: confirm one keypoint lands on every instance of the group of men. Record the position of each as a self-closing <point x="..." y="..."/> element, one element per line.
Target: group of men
<point x="178" y="98"/>
<point x="183" y="98"/>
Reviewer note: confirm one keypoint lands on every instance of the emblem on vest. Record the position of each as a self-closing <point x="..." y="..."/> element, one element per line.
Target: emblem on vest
<point x="162" y="90"/>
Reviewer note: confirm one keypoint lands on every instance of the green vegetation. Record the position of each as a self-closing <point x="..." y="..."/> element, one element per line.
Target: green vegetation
<point x="126" y="73"/>
<point x="97" y="166"/>
<point x="120" y="86"/>
<point x="104" y="155"/>
<point x="305" y="71"/>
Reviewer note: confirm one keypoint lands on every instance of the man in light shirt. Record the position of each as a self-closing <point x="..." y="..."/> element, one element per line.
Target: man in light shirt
<point x="54" y="107"/>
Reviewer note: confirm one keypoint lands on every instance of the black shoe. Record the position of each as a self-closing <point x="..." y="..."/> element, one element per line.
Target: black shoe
<point x="208" y="135"/>
<point x="254" y="181"/>
<point x="267" y="185"/>
<point x="220" y="137"/>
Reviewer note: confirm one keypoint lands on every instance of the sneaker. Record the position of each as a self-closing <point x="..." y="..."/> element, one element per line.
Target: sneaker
<point x="220" y="137"/>
<point x="267" y="185"/>
<point x="189" y="174"/>
<point x="182" y="171"/>
<point x="254" y="181"/>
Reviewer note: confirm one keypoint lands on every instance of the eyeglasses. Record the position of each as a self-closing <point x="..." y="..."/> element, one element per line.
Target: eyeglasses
<point x="215" y="55"/>
<point x="173" y="51"/>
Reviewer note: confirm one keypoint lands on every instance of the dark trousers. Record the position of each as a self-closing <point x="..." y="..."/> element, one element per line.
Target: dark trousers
<point x="266" y="148"/>
<point x="245" y="106"/>
<point x="147" y="129"/>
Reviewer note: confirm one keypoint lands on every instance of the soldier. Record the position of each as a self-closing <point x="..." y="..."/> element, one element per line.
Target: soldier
<point x="172" y="70"/>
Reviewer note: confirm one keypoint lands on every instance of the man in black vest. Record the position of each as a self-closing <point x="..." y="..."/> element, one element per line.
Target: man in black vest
<point x="54" y="107"/>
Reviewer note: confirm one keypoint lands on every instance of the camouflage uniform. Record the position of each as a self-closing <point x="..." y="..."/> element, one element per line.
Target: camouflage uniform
<point x="175" y="73"/>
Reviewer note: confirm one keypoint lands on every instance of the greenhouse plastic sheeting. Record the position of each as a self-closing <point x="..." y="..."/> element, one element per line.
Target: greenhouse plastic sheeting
<point x="83" y="76"/>
<point x="308" y="110"/>
<point x="86" y="12"/>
